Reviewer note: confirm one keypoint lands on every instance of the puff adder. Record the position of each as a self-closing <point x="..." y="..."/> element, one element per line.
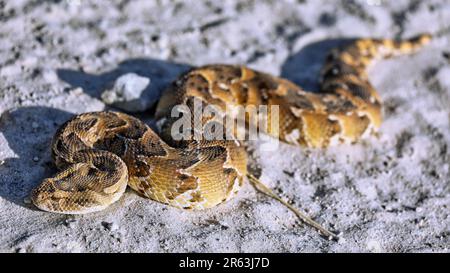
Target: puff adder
<point x="99" y="154"/>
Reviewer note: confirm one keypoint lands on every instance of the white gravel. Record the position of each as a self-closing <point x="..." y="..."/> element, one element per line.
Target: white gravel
<point x="385" y="194"/>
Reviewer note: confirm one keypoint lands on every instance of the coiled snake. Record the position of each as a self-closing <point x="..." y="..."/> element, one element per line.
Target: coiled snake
<point x="99" y="154"/>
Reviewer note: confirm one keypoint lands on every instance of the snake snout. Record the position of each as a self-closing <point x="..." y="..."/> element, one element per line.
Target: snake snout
<point x="43" y="197"/>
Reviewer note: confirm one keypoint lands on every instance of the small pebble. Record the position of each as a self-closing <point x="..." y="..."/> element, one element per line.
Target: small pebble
<point x="34" y="125"/>
<point x="27" y="200"/>
<point x="421" y="223"/>
<point x="77" y="91"/>
<point x="21" y="250"/>
<point x="70" y="223"/>
<point x="111" y="226"/>
<point x="35" y="159"/>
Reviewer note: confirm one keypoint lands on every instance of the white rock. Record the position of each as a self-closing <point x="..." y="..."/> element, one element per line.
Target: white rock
<point x="129" y="93"/>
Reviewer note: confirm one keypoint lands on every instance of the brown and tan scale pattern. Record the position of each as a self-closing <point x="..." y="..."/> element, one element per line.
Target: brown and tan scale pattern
<point x="99" y="154"/>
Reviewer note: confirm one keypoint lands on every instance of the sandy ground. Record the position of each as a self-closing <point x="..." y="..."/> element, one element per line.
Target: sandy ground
<point x="389" y="193"/>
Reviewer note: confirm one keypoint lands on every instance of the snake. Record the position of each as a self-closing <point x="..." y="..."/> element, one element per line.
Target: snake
<point x="99" y="154"/>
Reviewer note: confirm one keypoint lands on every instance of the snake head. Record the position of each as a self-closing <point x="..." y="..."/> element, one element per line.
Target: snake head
<point x="52" y="195"/>
<point x="81" y="188"/>
<point x="47" y="197"/>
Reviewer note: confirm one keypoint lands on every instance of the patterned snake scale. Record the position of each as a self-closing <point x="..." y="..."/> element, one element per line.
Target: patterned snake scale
<point x="100" y="153"/>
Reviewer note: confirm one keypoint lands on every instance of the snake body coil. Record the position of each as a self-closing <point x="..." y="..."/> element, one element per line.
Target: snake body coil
<point x="99" y="154"/>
